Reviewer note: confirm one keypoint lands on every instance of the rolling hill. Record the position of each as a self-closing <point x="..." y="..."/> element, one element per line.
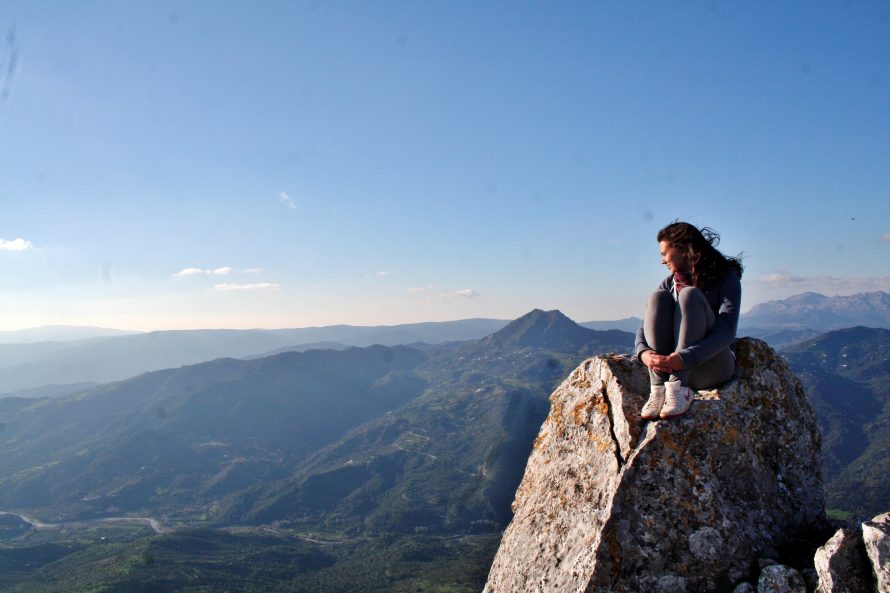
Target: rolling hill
<point x="846" y="375"/>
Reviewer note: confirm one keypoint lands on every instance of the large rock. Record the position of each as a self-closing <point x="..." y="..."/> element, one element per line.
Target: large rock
<point x="876" y="534"/>
<point x="610" y="503"/>
<point x="841" y="565"/>
<point x="780" y="579"/>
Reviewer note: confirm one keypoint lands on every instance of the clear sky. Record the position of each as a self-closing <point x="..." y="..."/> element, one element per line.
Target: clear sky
<point x="193" y="164"/>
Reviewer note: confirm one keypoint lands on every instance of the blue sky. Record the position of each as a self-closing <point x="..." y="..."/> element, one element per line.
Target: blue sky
<point x="171" y="165"/>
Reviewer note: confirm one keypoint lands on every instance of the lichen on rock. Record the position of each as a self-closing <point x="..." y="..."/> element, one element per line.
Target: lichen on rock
<point x="779" y="578"/>
<point x="611" y="503"/>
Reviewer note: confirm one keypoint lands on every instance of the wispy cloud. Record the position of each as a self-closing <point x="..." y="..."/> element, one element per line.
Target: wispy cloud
<point x="222" y="271"/>
<point x="826" y="284"/>
<point x="15" y="245"/>
<point x="380" y="274"/>
<point x="285" y="199"/>
<point x="255" y="286"/>
<point x="432" y="293"/>
<point x="465" y="293"/>
<point x="781" y="279"/>
<point x="190" y="272"/>
<point x="886" y="238"/>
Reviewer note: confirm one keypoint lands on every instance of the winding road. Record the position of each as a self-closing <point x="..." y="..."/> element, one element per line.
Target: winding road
<point x="37" y="524"/>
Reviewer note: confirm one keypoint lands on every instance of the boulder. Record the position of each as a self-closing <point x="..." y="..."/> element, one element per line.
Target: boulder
<point x="841" y="565"/>
<point x="876" y="535"/>
<point x="611" y="503"/>
<point x="779" y="578"/>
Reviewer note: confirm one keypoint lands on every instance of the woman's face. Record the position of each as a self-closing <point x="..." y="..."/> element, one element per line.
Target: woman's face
<point x="672" y="258"/>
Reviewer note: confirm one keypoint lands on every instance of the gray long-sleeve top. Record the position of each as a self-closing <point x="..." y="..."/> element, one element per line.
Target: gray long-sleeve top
<point x="725" y="299"/>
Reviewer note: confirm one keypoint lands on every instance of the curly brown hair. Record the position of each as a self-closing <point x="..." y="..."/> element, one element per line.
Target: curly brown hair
<point x="698" y="246"/>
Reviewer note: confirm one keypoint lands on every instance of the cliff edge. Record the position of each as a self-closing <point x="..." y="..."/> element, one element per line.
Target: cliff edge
<point x="611" y="503"/>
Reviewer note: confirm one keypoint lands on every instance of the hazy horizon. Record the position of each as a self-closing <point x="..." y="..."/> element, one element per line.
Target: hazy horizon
<point x="301" y="164"/>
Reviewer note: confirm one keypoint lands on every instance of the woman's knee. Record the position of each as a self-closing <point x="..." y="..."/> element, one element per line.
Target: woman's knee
<point x="661" y="299"/>
<point x="691" y="296"/>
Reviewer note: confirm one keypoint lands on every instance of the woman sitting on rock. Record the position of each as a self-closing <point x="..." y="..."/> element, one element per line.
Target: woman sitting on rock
<point x="690" y="320"/>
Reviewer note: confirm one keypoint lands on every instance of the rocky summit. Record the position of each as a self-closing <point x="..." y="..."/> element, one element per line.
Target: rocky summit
<point x="612" y="503"/>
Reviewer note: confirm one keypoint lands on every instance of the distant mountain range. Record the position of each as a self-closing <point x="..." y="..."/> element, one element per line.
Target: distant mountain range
<point x="628" y="324"/>
<point x="100" y="360"/>
<point x="277" y="438"/>
<point x="818" y="312"/>
<point x="58" y="333"/>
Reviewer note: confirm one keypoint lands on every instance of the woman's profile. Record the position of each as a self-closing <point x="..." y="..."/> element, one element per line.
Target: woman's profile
<point x="690" y="320"/>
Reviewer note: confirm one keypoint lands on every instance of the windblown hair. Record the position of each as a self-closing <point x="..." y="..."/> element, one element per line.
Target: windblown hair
<point x="699" y="247"/>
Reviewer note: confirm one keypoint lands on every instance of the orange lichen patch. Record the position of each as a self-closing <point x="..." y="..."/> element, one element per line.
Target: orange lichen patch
<point x="731" y="435"/>
<point x="538" y="440"/>
<point x="582" y="412"/>
<point x="599" y="442"/>
<point x="670" y="443"/>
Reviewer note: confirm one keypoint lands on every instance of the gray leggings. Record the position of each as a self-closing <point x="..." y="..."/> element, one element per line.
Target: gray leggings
<point x="672" y="325"/>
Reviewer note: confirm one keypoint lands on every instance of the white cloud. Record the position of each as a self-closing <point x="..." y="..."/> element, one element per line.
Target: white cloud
<point x="222" y="271"/>
<point x="465" y="293"/>
<point x="255" y="286"/>
<point x="189" y="272"/>
<point x="15" y="245"/>
<point x="781" y="279"/>
<point x="886" y="237"/>
<point x="832" y="285"/>
<point x="418" y="289"/>
<point x="287" y="200"/>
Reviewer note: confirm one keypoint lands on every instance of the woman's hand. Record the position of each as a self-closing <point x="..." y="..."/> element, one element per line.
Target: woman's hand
<point x="663" y="364"/>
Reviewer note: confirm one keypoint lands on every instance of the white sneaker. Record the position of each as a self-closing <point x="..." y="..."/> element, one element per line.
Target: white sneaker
<point x="654" y="403"/>
<point x="677" y="399"/>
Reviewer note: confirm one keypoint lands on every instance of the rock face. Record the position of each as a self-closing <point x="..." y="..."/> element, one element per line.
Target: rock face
<point x="876" y="534"/>
<point x="611" y="503"/>
<point x="841" y="565"/>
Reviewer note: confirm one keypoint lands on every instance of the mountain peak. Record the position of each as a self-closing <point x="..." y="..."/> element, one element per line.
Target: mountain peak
<point x="541" y="329"/>
<point x="807" y="298"/>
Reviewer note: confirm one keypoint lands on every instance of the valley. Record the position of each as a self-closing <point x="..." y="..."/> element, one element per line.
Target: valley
<point x="362" y="468"/>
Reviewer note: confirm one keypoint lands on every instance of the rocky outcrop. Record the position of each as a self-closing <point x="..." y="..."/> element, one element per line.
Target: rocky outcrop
<point x="841" y="565"/>
<point x="610" y="503"/>
<point x="876" y="534"/>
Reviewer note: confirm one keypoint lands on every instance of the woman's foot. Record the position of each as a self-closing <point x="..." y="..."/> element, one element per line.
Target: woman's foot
<point x="677" y="399"/>
<point x="654" y="404"/>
